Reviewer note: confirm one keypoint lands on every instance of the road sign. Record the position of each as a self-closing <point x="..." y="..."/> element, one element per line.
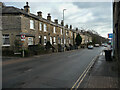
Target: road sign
<point x="110" y="35"/>
<point x="23" y="40"/>
<point x="23" y="36"/>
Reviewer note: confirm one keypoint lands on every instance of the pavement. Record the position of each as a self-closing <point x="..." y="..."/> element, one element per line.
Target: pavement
<point x="103" y="74"/>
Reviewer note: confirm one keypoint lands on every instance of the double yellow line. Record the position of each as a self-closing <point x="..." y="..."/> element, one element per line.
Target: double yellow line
<point x="80" y="79"/>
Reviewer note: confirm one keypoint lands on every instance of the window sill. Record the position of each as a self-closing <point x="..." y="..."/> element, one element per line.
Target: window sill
<point x="30" y="44"/>
<point x="5" y="45"/>
<point x="32" y="29"/>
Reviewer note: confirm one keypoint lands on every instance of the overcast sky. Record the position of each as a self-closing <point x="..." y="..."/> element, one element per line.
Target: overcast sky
<point x="88" y="15"/>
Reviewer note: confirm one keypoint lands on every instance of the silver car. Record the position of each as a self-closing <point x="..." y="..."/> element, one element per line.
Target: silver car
<point x="90" y="46"/>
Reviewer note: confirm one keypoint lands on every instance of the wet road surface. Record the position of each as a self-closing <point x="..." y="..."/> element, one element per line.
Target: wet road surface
<point x="60" y="70"/>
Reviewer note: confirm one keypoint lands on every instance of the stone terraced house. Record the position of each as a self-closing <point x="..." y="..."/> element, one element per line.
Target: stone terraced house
<point x="37" y="30"/>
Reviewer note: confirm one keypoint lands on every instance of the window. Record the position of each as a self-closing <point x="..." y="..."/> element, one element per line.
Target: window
<point x="45" y="40"/>
<point x="66" y="33"/>
<point x="30" y="41"/>
<point x="40" y="39"/>
<point x="58" y="40"/>
<point x="50" y="40"/>
<point x="69" y="41"/>
<point x="71" y="34"/>
<point x="54" y="30"/>
<point x="6" y="41"/>
<point x="61" y="41"/>
<point x="61" y="31"/>
<point x="32" y="24"/>
<point x="64" y="41"/>
<point x="40" y="26"/>
<point x="45" y="28"/>
<point x="54" y="39"/>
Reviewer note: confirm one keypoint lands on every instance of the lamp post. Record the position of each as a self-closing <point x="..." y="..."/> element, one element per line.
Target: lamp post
<point x="63" y="31"/>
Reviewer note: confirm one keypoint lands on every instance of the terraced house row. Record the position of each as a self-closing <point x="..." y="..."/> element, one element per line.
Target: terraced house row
<point x="37" y="29"/>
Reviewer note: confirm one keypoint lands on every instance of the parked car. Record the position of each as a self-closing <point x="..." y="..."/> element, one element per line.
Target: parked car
<point x="96" y="45"/>
<point x="103" y="44"/>
<point x="90" y="46"/>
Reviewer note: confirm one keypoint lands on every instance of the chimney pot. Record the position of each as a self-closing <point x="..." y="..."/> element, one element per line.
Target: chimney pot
<point x="56" y="21"/>
<point x="48" y="14"/>
<point x="62" y="22"/>
<point x="2" y="4"/>
<point x="26" y="3"/>
<point x="49" y="17"/>
<point x="70" y="26"/>
<point x="67" y="26"/>
<point x="27" y="8"/>
<point x="39" y="14"/>
<point x="76" y="29"/>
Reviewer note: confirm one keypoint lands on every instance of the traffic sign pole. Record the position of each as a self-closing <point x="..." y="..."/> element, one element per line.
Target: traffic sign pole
<point x="23" y="53"/>
<point x="22" y="40"/>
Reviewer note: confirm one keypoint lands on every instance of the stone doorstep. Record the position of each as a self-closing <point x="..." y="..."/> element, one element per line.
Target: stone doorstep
<point x="102" y="82"/>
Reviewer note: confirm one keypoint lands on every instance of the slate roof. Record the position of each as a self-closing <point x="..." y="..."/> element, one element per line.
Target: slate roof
<point x="14" y="10"/>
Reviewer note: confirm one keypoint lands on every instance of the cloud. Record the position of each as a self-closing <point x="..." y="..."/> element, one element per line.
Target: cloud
<point x="89" y="15"/>
<point x="92" y="4"/>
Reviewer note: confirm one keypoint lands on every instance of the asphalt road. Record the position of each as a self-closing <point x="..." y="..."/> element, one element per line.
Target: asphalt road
<point x="59" y="70"/>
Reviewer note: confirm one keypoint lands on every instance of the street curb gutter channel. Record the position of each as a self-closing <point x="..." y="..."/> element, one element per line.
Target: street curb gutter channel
<point x="17" y="60"/>
<point x="81" y="78"/>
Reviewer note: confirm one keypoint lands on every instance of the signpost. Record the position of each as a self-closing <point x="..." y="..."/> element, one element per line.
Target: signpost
<point x="110" y="36"/>
<point x="22" y="37"/>
<point x="22" y="40"/>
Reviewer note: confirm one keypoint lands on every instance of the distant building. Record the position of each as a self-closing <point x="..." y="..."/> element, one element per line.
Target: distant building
<point x="86" y="38"/>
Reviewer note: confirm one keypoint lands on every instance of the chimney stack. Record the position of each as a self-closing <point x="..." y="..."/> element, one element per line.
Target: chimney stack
<point x="39" y="14"/>
<point x="76" y="29"/>
<point x="62" y="22"/>
<point x="70" y="26"/>
<point x="2" y="4"/>
<point x="56" y="21"/>
<point x="27" y="8"/>
<point x="49" y="17"/>
<point x="66" y="25"/>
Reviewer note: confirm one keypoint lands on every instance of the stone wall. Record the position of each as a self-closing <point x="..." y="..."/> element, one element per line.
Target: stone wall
<point x="116" y="31"/>
<point x="11" y="25"/>
<point x="11" y="22"/>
